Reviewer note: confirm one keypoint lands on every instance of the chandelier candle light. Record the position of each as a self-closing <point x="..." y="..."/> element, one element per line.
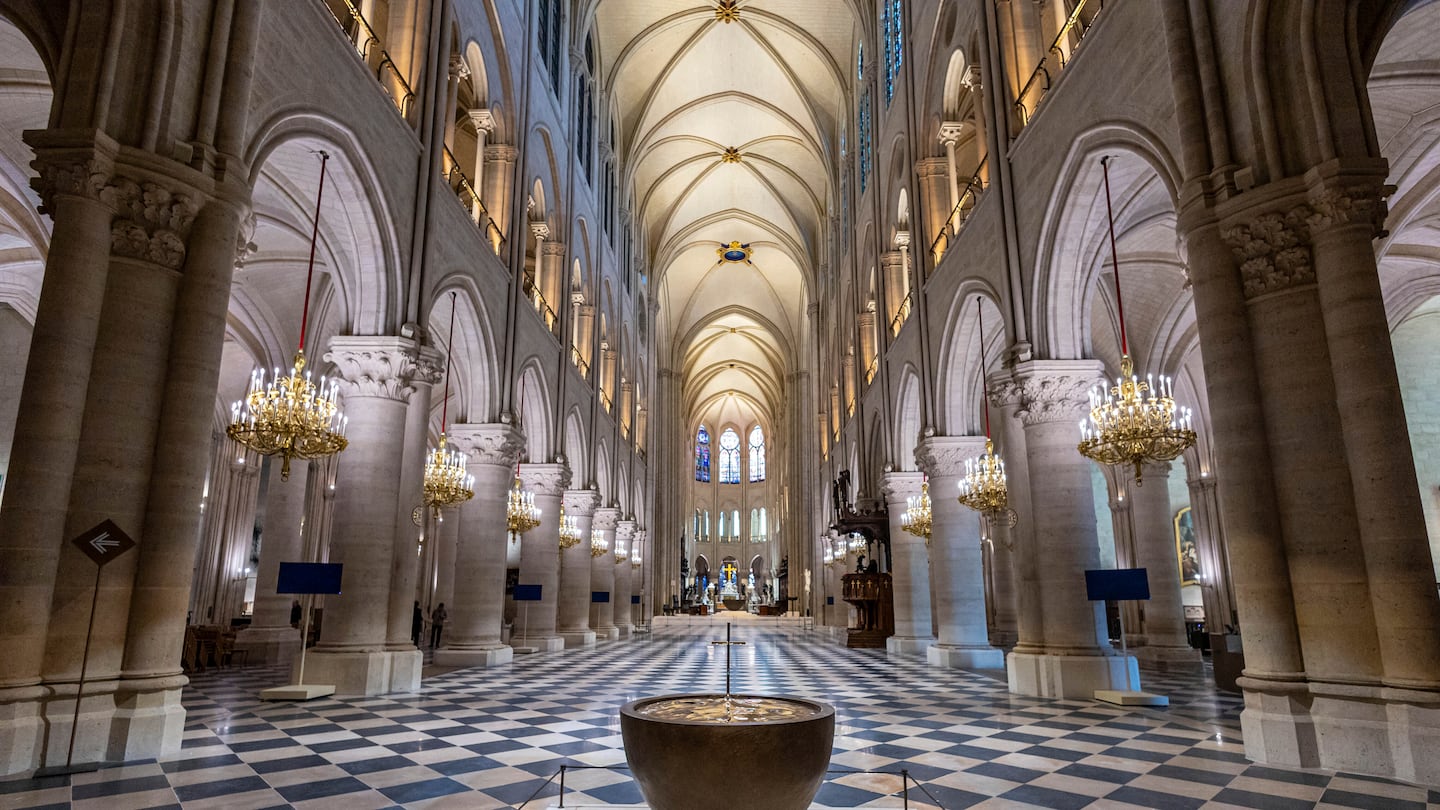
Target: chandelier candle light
<point x="598" y="544"/>
<point x="984" y="487"/>
<point x="569" y="530"/>
<point x="917" y="518"/>
<point x="446" y="481"/>
<point x="1135" y="421"/>
<point x="291" y="416"/>
<point x="521" y="513"/>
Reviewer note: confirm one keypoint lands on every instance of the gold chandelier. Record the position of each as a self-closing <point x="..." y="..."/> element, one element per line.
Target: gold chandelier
<point x="291" y="416"/>
<point x="1134" y="422"/>
<point x="598" y="544"/>
<point x="446" y="482"/>
<point x="521" y="513"/>
<point x="569" y="530"/>
<point x="984" y="487"/>
<point x="917" y="519"/>
<point x="621" y="555"/>
<point x="635" y="544"/>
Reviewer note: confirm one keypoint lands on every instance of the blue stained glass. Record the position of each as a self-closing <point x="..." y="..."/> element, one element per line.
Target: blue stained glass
<point x="729" y="457"/>
<point x="702" y="455"/>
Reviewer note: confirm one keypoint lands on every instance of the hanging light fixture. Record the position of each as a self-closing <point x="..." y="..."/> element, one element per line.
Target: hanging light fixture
<point x="521" y="513"/>
<point x="598" y="544"/>
<point x="984" y="487"/>
<point x="569" y="530"/>
<point x="917" y="517"/>
<point x="1133" y="422"/>
<point x="446" y="482"/>
<point x="635" y="545"/>
<point x="292" y="416"/>
<point x="621" y="555"/>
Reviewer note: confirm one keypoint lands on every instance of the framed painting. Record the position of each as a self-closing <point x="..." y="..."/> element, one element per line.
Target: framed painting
<point x="1186" y="550"/>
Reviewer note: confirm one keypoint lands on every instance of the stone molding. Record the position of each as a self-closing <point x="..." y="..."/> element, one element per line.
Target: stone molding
<point x="580" y="502"/>
<point x="483" y="119"/>
<point x="545" y="479"/>
<point x="502" y="152"/>
<point x="945" y="456"/>
<point x="430" y="366"/>
<point x="950" y="132"/>
<point x="624" y="531"/>
<point x="1333" y="207"/>
<point x="553" y="247"/>
<point x="605" y="519"/>
<point x="85" y="177"/>
<point x="375" y="366"/>
<point x="932" y="167"/>
<point x="1273" y="249"/>
<point x="1044" y="391"/>
<point x="495" y="444"/>
<point x="897" y="486"/>
<point x="245" y="246"/>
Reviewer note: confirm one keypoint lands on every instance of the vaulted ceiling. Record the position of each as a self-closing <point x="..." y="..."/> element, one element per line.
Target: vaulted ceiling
<point x="771" y="86"/>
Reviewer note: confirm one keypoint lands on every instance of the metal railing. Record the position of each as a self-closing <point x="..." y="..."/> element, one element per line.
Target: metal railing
<point x="959" y="215"/>
<point x="605" y="400"/>
<point x="1027" y="101"/>
<point x="871" y="369"/>
<point x="537" y="299"/>
<point x="367" y="44"/>
<point x="902" y="314"/>
<point x="580" y="362"/>
<point x="465" y="192"/>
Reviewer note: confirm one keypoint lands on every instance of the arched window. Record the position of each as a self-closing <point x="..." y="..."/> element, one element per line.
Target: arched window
<point x="549" y="41"/>
<point x="757" y="455"/>
<point x="764" y="528"/>
<point x="863" y="140"/>
<point x="735" y="525"/>
<point x="585" y="111"/>
<point x="729" y="457"/>
<point x="702" y="455"/>
<point x="894" y="47"/>
<point x="722" y="525"/>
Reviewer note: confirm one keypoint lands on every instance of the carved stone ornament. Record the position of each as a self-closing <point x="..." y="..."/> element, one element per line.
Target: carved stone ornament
<point x="624" y="530"/>
<point x="1273" y="250"/>
<point x="580" y="502"/>
<point x="545" y="479"/>
<point x="497" y="445"/>
<point x="151" y="221"/>
<point x="944" y="456"/>
<point x="245" y="247"/>
<point x="374" y="366"/>
<point x="1048" y="391"/>
<point x="81" y="178"/>
<point x="430" y="366"/>
<point x="897" y="486"/>
<point x="1343" y="206"/>
<point x="605" y="519"/>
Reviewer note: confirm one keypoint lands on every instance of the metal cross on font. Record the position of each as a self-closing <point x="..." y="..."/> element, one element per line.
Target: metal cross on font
<point x="727" y="644"/>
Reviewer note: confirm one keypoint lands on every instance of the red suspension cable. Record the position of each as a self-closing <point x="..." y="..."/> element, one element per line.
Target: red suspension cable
<point x="984" y="383"/>
<point x="314" y="237"/>
<point x="1114" y="256"/>
<point x="449" y="353"/>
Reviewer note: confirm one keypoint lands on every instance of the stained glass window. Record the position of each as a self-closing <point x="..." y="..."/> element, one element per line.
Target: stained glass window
<point x="862" y="138"/>
<point x="550" y="41"/>
<point x="729" y="457"/>
<point x="894" y="45"/>
<point x="757" y="455"/>
<point x="702" y="455"/>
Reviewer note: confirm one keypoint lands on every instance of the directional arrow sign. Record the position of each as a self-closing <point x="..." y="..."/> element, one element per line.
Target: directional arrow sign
<point x="104" y="543"/>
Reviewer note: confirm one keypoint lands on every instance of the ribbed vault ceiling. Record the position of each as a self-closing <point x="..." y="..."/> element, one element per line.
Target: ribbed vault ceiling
<point x="687" y="87"/>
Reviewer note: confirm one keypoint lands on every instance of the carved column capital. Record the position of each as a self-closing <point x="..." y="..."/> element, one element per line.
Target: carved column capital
<point x="375" y="366"/>
<point x="545" y="479"/>
<point x="152" y="219"/>
<point x="429" y="366"/>
<point x="496" y="443"/>
<point x="896" y="487"/>
<point x="944" y="456"/>
<point x="1044" y="391"/>
<point x="605" y="518"/>
<point x="951" y="132"/>
<point x="580" y="502"/>
<point x="1273" y="249"/>
<point x="501" y="153"/>
<point x="553" y="248"/>
<point x="540" y="230"/>
<point x="624" y="530"/>
<point x="483" y="119"/>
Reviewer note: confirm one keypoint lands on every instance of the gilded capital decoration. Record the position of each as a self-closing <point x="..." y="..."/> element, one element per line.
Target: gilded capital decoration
<point x="1044" y="391"/>
<point x="605" y="519"/>
<point x="944" y="456"/>
<point x="580" y="502"/>
<point x="545" y="479"/>
<point x="496" y="444"/>
<point x="378" y="366"/>
<point x="1273" y="249"/>
<point x="895" y="487"/>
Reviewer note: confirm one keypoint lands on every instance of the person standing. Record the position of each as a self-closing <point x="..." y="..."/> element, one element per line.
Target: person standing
<point x="417" y="623"/>
<point x="437" y="624"/>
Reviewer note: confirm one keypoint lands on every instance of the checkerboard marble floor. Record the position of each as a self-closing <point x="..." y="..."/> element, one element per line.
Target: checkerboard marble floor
<point x="492" y="738"/>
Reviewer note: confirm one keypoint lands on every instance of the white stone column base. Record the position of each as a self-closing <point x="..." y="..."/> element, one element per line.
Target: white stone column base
<point x="908" y="645"/>
<point x="611" y="633"/>
<point x="946" y="655"/>
<point x="149" y="720"/>
<point x="92" y="740"/>
<point x="625" y="629"/>
<point x="484" y="657"/>
<point x="538" y="643"/>
<point x="20" y="730"/>
<point x="364" y="673"/>
<point x="1070" y="676"/>
<point x="1170" y="659"/>
<point x="578" y="638"/>
<point x="269" y="645"/>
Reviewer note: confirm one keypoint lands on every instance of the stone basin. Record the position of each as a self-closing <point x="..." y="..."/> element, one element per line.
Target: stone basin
<point x="702" y="752"/>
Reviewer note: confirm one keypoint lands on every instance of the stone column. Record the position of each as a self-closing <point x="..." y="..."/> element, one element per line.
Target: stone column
<point x="602" y="575"/>
<point x="1004" y="632"/>
<point x="956" y="558"/>
<point x="1164" y="644"/>
<point x="950" y="133"/>
<point x="1075" y="657"/>
<point x="620" y="593"/>
<point x="375" y="376"/>
<point x="910" y="571"/>
<point x="270" y="638"/>
<point x="552" y="278"/>
<point x="440" y="586"/>
<point x="472" y="635"/>
<point x="540" y="558"/>
<point x="405" y="564"/>
<point x="484" y="122"/>
<point x="499" y="165"/>
<point x="982" y="143"/>
<point x="575" y="571"/>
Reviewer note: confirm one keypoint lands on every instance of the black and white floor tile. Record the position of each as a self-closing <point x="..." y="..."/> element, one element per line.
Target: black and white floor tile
<point x="493" y="738"/>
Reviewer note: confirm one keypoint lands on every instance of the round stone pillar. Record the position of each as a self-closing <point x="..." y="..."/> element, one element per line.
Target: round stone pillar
<point x="1075" y="659"/>
<point x="405" y="563"/>
<point x="602" y="575"/>
<point x="473" y="633"/>
<point x="375" y="375"/>
<point x="956" y="558"/>
<point x="620" y="593"/>
<point x="1164" y="645"/>
<point x="910" y="570"/>
<point x="270" y="639"/>
<point x="535" y="622"/>
<point x="447" y="541"/>
<point x="575" y="571"/>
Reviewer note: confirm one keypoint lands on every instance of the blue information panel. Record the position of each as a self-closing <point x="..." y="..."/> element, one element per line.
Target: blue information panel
<point x="527" y="593"/>
<point x="302" y="577"/>
<point x="1119" y="584"/>
<point x="599" y="596"/>
<point x="829" y="600"/>
<point x="634" y="598"/>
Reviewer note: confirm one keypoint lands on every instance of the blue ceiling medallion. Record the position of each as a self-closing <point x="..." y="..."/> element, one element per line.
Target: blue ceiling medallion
<point x="734" y="252"/>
